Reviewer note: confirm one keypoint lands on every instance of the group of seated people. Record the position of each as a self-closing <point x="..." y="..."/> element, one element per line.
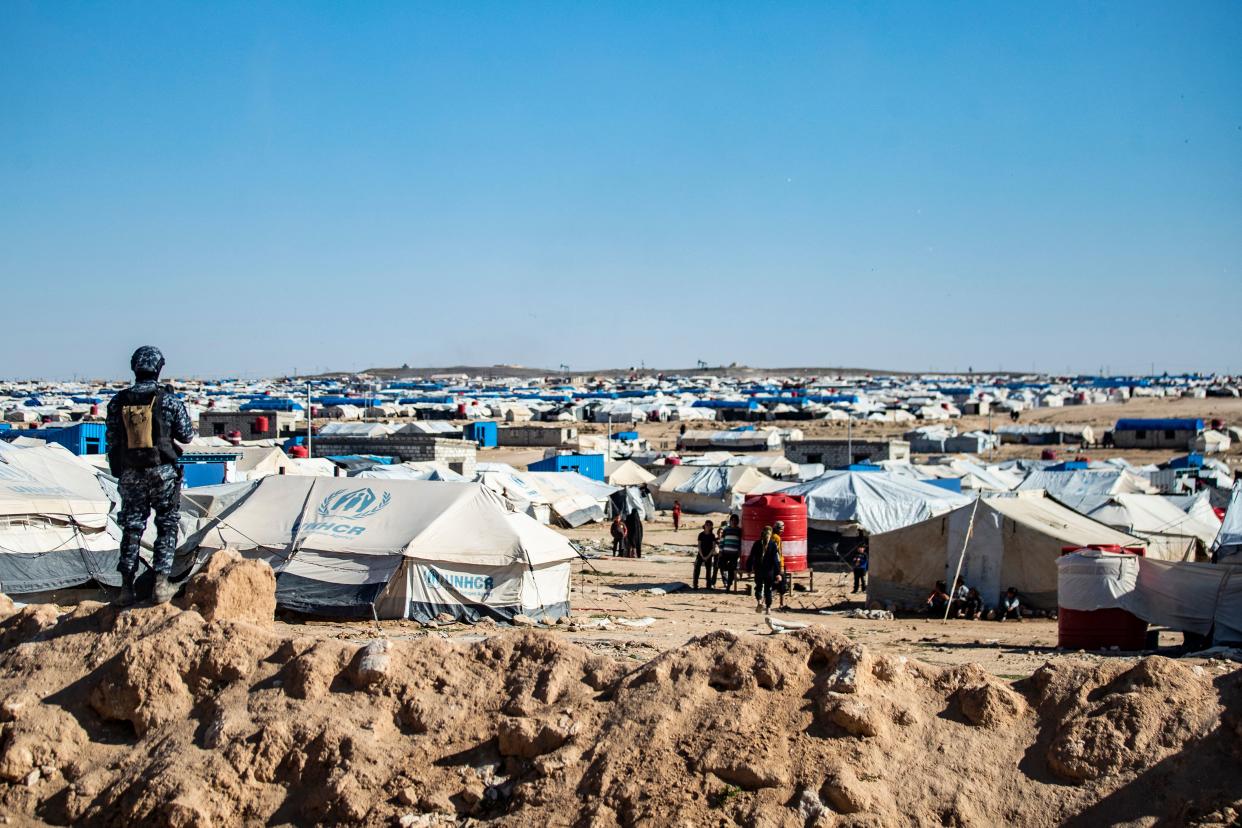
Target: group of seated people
<point x="966" y="602"/>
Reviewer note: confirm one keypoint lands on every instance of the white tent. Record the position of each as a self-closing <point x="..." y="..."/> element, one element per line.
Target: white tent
<point x="627" y="473"/>
<point x="871" y="501"/>
<point x="1171" y="534"/>
<point x="397" y="549"/>
<point x="709" y="489"/>
<point x="415" y="470"/>
<point x="574" y="498"/>
<point x="1085" y="486"/>
<point x="55" y="530"/>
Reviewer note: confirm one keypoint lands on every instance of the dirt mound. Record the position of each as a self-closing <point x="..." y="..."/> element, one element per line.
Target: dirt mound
<point x="180" y="717"/>
<point x="232" y="587"/>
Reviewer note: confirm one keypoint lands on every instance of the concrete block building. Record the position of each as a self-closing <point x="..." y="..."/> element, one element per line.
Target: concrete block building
<point x="459" y="455"/>
<point x="835" y="454"/>
<point x="1172" y="433"/>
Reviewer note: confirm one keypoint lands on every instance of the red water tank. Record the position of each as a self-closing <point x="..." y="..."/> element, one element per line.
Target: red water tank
<point x="234" y="437"/>
<point x="260" y="425"/>
<point x="298" y="451"/>
<point x="1103" y="628"/>
<point x="1048" y="454"/>
<point x="461" y="410"/>
<point x="763" y="510"/>
<point x="94" y="409"/>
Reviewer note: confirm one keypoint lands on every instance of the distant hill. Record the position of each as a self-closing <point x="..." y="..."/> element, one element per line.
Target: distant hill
<point x="524" y="372"/>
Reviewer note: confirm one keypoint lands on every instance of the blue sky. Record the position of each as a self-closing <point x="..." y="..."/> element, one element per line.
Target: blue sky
<point x="264" y="187"/>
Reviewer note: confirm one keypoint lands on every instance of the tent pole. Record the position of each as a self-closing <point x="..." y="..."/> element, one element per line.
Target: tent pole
<point x="970" y="527"/>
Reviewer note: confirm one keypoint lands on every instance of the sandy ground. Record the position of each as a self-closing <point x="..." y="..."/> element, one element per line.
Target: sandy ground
<point x="608" y="587"/>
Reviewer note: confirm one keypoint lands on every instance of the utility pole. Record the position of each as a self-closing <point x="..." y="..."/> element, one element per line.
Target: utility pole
<point x="309" y="425"/>
<point x="849" y="441"/>
<point x="991" y="434"/>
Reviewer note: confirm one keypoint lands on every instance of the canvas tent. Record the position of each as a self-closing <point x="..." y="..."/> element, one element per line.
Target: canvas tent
<point x="1015" y="541"/>
<point x="850" y="502"/>
<point x="707" y="489"/>
<point x="396" y="549"/>
<point x="55" y="530"/>
<point x="1171" y="534"/>
<point x="626" y="473"/>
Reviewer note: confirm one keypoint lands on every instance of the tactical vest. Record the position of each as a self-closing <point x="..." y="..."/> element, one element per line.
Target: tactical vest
<point x="147" y="442"/>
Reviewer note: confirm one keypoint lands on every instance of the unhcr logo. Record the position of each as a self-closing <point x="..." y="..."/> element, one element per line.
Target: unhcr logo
<point x="352" y="504"/>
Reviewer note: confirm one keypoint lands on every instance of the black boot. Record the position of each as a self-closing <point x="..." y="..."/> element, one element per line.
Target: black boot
<point x="127" y="597"/>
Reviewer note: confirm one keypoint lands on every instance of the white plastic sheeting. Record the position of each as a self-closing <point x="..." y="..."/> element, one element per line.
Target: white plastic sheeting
<point x="1074" y="488"/>
<point x="874" y="501"/>
<point x="1191" y="597"/>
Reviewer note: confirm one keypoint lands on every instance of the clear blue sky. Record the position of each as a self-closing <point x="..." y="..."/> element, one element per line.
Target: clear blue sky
<point x="259" y="187"/>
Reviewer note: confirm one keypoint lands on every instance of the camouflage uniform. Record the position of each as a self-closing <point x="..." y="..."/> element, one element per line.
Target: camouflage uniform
<point x="156" y="488"/>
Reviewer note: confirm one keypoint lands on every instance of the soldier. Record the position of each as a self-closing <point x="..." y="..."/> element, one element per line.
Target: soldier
<point x="143" y="422"/>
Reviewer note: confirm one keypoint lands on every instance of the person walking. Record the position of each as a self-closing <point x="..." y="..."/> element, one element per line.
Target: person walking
<point x="144" y="424"/>
<point x="634" y="532"/>
<point x="858" y="565"/>
<point x="706" y="556"/>
<point x="676" y="515"/>
<point x="730" y="553"/>
<point x="768" y="565"/>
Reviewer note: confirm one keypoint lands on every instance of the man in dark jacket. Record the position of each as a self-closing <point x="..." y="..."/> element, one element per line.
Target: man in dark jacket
<point x="143" y="422"/>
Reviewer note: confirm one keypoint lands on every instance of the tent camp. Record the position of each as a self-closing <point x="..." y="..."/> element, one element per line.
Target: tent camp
<point x="850" y="502"/>
<point x="55" y="530"/>
<point x="1015" y="541"/>
<point x="396" y="549"/>
<point x="707" y="489"/>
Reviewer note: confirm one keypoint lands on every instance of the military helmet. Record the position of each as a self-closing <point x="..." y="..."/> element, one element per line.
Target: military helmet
<point x="147" y="360"/>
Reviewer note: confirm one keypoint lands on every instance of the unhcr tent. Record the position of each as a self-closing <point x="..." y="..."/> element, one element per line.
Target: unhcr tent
<point x="870" y="501"/>
<point x="54" y="522"/>
<point x="396" y="549"/>
<point x="1015" y="541"/>
<point x="708" y="489"/>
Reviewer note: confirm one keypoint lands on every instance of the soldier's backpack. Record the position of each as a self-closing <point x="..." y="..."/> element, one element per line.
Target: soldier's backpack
<point x="139" y="425"/>
<point x="146" y="443"/>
